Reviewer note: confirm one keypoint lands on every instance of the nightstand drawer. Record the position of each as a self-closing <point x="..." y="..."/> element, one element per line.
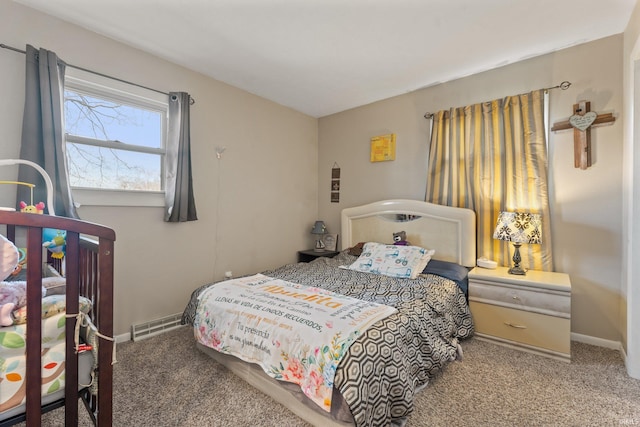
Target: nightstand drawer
<point x="525" y="327"/>
<point x="541" y="301"/>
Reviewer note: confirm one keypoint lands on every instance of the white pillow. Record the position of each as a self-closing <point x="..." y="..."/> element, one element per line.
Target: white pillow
<point x="392" y="260"/>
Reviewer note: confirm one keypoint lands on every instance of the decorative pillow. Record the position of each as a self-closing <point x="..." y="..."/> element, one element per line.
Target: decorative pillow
<point x="55" y="285"/>
<point x="51" y="305"/>
<point x="392" y="260"/>
<point x="357" y="249"/>
<point x="21" y="274"/>
<point x="451" y="271"/>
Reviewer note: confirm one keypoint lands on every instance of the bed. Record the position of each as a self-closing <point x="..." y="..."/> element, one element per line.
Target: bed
<point x="394" y="357"/>
<point x="40" y="369"/>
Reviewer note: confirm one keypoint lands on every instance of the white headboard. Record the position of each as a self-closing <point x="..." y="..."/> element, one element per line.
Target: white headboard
<point x="450" y="231"/>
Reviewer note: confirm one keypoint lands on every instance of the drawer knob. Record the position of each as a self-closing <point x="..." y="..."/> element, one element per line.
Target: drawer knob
<point x="516" y="297"/>
<point x="515" y="326"/>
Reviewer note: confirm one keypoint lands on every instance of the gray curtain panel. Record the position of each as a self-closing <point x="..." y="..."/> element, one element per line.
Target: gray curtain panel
<point x="180" y="204"/>
<point x="43" y="131"/>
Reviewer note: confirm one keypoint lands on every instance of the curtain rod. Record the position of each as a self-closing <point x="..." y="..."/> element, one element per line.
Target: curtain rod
<point x="191" y="100"/>
<point x="564" y="86"/>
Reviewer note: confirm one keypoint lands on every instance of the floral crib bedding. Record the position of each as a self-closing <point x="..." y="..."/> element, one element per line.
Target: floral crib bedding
<point x="13" y="359"/>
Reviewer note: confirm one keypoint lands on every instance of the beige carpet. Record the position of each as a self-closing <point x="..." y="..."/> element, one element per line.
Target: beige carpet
<point x="166" y="381"/>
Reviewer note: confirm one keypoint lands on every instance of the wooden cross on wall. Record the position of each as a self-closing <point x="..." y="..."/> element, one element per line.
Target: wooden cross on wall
<point x="581" y="121"/>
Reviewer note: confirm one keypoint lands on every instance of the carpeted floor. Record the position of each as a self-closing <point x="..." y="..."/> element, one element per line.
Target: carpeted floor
<point x="165" y="381"/>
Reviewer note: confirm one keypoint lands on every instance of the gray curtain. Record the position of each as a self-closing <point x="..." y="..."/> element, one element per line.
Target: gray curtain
<point x="180" y="204"/>
<point x="43" y="131"/>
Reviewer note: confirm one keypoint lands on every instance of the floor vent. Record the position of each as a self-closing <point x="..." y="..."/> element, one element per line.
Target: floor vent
<point x="155" y="327"/>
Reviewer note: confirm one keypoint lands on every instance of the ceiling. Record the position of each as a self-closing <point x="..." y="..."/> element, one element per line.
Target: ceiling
<point x="325" y="56"/>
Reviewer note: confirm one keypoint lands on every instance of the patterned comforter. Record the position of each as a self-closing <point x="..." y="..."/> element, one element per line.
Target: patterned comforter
<point x="395" y="357"/>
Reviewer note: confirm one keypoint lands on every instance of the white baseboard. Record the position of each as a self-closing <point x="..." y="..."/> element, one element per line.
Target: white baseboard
<point x="600" y="342"/>
<point x="123" y="338"/>
<point x="633" y="370"/>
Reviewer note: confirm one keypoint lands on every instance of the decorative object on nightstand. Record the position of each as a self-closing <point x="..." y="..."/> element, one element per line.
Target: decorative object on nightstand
<point x="330" y="242"/>
<point x="518" y="228"/>
<point x="319" y="229"/>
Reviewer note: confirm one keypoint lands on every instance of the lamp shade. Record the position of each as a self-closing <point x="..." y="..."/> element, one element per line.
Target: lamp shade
<point x="519" y="227"/>
<point x="319" y="228"/>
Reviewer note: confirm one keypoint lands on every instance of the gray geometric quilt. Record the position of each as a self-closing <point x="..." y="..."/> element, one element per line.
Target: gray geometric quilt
<point x="382" y="370"/>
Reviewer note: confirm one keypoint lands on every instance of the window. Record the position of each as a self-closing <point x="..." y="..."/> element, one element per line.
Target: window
<point x="115" y="140"/>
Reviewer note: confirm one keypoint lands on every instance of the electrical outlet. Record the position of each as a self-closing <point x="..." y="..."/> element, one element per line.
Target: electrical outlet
<point x="228" y="274"/>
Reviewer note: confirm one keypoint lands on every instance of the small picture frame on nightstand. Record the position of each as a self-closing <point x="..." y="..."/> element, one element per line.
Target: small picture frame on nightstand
<point x="330" y="242"/>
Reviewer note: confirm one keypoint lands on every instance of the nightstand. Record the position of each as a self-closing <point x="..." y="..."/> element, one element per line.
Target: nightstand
<point x="310" y="255"/>
<point x="531" y="312"/>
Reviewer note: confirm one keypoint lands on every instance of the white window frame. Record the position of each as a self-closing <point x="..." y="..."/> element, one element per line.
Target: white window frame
<point x="115" y="90"/>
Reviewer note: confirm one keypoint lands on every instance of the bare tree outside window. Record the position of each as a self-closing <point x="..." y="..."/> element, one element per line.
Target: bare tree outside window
<point x="112" y="144"/>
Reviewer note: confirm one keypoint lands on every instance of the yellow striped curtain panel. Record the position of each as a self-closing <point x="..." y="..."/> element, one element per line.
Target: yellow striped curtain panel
<point x="492" y="157"/>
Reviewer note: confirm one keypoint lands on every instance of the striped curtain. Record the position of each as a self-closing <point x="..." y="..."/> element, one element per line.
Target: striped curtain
<point x="492" y="157"/>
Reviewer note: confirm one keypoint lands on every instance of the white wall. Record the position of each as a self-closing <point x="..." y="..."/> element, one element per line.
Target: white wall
<point x="256" y="205"/>
<point x="630" y="303"/>
<point x="586" y="204"/>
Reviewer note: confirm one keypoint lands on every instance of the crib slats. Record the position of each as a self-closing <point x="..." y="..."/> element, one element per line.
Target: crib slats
<point x="105" y="320"/>
<point x="71" y="361"/>
<point x="34" y="334"/>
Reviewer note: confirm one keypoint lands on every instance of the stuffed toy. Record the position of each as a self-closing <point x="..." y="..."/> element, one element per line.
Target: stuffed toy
<point x="400" y="238"/>
<point x="13" y="295"/>
<point x="5" y="314"/>
<point x="55" y="242"/>
<point x="8" y="262"/>
<point x="37" y="209"/>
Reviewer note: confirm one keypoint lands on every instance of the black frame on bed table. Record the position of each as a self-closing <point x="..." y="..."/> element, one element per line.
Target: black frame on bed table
<point x="88" y="272"/>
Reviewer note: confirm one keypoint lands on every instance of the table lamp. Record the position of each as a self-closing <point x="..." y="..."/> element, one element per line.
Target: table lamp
<point x="319" y="229"/>
<point x="518" y="228"/>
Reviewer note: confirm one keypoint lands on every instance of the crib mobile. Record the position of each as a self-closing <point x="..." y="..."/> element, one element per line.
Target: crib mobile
<point x="53" y="240"/>
<point x="47" y="180"/>
<point x="24" y="207"/>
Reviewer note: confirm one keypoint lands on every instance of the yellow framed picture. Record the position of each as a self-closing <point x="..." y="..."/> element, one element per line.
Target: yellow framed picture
<point x="383" y="148"/>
